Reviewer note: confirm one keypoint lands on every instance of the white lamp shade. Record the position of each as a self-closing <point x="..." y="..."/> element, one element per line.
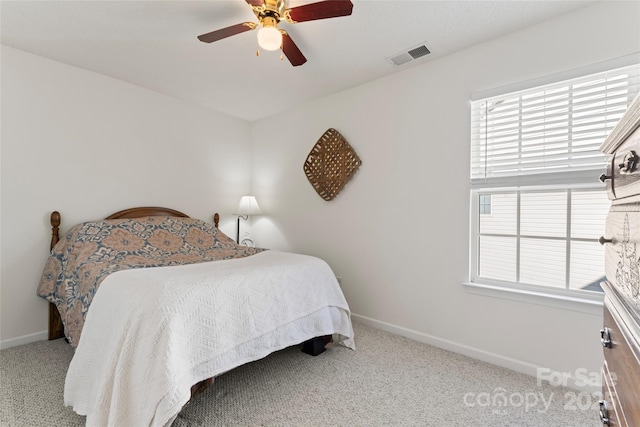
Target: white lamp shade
<point x="248" y="206"/>
<point x="269" y="38"/>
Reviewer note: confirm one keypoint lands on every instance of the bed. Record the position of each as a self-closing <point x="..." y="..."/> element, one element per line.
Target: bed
<point x="158" y="304"/>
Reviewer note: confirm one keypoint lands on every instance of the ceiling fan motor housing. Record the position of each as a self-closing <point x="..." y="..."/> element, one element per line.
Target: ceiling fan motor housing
<point x="270" y="8"/>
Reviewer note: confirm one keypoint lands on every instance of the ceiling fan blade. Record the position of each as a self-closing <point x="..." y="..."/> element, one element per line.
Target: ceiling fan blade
<point x="291" y="51"/>
<point x="226" y="32"/>
<point x="255" y="2"/>
<point x="321" y="10"/>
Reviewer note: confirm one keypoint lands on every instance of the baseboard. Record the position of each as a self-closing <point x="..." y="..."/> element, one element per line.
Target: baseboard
<point x="25" y="339"/>
<point x="475" y="353"/>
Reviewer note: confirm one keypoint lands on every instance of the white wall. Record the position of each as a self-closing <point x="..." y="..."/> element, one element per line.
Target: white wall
<point x="397" y="234"/>
<point x="88" y="145"/>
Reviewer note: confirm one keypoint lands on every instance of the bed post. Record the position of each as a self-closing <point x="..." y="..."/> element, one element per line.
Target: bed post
<point x="56" y="329"/>
<point x="216" y="219"/>
<point x="55" y="224"/>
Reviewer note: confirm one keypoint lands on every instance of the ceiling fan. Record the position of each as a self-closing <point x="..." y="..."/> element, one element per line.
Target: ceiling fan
<point x="270" y="13"/>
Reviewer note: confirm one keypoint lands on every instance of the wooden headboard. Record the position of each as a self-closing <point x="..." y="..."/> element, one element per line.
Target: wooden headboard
<point x="146" y="211"/>
<point x="56" y="328"/>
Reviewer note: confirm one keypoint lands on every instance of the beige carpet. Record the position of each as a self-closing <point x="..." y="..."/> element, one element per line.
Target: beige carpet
<point x="388" y="380"/>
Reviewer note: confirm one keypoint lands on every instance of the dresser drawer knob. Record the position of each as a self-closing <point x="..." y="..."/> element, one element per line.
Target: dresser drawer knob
<point x="604" y="177"/>
<point x="605" y="337"/>
<point x="629" y="162"/>
<point x="602" y="240"/>
<point x="604" y="412"/>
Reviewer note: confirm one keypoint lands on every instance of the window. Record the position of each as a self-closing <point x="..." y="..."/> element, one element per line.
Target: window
<point x="544" y="238"/>
<point x="537" y="206"/>
<point x="485" y="204"/>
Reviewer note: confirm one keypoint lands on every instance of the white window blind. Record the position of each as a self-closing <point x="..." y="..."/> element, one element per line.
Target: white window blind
<point x="553" y="128"/>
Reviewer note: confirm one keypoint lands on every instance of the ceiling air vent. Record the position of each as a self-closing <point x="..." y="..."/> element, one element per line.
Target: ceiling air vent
<point x="410" y="55"/>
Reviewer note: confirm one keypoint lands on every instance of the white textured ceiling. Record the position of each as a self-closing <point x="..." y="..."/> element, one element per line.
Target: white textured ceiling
<point x="153" y="44"/>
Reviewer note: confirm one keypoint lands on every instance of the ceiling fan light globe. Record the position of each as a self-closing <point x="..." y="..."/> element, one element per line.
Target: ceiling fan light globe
<point x="269" y="38"/>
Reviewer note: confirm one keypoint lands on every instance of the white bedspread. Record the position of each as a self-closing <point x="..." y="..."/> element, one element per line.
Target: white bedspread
<point x="152" y="333"/>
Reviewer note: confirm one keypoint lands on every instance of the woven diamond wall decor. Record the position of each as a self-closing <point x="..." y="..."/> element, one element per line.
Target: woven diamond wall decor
<point x="330" y="164"/>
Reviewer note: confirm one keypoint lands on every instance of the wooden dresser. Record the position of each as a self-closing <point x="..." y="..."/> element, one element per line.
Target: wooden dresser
<point x="621" y="332"/>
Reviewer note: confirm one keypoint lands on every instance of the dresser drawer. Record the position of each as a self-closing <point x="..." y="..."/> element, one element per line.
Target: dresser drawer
<point x="621" y="369"/>
<point x="610" y="407"/>
<point x="622" y="253"/>
<point x="624" y="169"/>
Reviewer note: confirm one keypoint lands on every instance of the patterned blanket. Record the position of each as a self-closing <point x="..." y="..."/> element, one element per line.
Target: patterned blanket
<point x="91" y="251"/>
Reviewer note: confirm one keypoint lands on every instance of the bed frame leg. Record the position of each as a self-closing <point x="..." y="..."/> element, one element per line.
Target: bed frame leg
<point x="316" y="346"/>
<point x="56" y="328"/>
